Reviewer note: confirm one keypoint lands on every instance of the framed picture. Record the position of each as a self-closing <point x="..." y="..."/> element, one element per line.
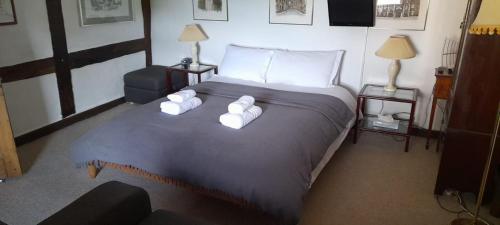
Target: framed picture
<point x="94" y="12"/>
<point x="298" y="12"/>
<point x="401" y="14"/>
<point x="7" y="12"/>
<point x="210" y="10"/>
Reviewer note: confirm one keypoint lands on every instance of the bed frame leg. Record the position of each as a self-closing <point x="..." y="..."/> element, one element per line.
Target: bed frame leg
<point x="92" y="169"/>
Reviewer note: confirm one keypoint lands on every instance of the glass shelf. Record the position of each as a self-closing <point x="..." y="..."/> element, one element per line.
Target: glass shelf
<point x="193" y="69"/>
<point x="377" y="91"/>
<point x="367" y="125"/>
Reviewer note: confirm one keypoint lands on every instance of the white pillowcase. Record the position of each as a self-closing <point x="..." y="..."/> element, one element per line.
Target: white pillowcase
<point x="305" y="68"/>
<point x="246" y="63"/>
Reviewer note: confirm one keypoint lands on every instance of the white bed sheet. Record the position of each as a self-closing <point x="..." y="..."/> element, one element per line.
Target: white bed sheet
<point x="337" y="91"/>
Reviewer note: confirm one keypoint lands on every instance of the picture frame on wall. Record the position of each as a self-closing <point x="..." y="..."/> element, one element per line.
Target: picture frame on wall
<point x="214" y="10"/>
<point x="294" y="12"/>
<point x="401" y="14"/>
<point x="93" y="12"/>
<point x="7" y="13"/>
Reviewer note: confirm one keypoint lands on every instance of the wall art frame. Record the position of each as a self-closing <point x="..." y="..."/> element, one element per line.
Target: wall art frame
<point x="291" y="12"/>
<point x="95" y="12"/>
<point x="211" y="10"/>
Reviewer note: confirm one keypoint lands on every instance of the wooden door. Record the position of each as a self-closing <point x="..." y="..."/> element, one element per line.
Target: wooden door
<point x="9" y="161"/>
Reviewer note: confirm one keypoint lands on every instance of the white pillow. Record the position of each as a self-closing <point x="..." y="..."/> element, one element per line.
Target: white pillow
<point x="305" y="68"/>
<point x="246" y="63"/>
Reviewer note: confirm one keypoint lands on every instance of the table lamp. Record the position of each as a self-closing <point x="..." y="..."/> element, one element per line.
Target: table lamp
<point x="193" y="33"/>
<point x="488" y="19"/>
<point x="487" y="22"/>
<point x="397" y="47"/>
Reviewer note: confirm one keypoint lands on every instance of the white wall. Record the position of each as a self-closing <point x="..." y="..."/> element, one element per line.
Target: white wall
<point x="97" y="84"/>
<point x="30" y="38"/>
<point x="443" y="22"/>
<point x="27" y="41"/>
<point x="103" y="82"/>
<point x="249" y="25"/>
<point x="80" y="38"/>
<point x="34" y="103"/>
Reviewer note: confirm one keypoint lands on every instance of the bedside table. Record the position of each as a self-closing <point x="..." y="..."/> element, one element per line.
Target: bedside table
<point x="198" y="70"/>
<point x="442" y="90"/>
<point x="376" y="92"/>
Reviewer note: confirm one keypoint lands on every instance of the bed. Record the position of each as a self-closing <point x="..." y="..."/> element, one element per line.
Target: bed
<point x="270" y="164"/>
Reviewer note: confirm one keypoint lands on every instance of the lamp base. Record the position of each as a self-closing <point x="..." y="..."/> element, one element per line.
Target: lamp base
<point x="390" y="89"/>
<point x="394" y="69"/>
<point x="464" y="221"/>
<point x="194" y="52"/>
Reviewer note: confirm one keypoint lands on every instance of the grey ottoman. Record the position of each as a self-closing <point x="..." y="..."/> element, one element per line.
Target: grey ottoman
<point x="148" y="84"/>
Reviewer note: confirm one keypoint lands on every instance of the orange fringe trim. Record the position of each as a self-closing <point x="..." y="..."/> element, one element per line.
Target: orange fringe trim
<point x="200" y="190"/>
<point x="485" y="29"/>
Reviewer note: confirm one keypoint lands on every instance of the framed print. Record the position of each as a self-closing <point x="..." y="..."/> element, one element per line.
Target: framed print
<point x="94" y="12"/>
<point x="210" y="10"/>
<point x="298" y="12"/>
<point x="7" y="12"/>
<point x="401" y="14"/>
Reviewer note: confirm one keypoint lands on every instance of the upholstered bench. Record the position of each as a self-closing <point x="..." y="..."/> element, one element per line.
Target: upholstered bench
<point x="116" y="203"/>
<point x="148" y="84"/>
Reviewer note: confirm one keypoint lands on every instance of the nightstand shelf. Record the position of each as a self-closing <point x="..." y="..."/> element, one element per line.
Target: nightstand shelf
<point x="376" y="92"/>
<point x="198" y="70"/>
<point x="367" y="125"/>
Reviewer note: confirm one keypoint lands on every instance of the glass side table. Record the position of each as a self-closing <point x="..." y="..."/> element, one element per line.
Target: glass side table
<point x="198" y="70"/>
<point x="376" y="92"/>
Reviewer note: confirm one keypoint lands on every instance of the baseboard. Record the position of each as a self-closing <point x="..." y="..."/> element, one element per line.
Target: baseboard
<point x="51" y="128"/>
<point x="422" y="132"/>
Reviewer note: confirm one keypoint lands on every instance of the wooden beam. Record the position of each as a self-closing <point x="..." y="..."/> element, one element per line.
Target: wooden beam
<point x="8" y="152"/>
<point x="27" y="70"/>
<point x="104" y="53"/>
<point x="61" y="57"/>
<point x="76" y="60"/>
<point x="44" y="131"/>
<point x="146" y="13"/>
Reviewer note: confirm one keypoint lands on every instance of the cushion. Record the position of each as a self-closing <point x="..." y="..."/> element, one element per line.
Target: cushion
<point x="150" y="78"/>
<point x="246" y="63"/>
<point x="304" y="68"/>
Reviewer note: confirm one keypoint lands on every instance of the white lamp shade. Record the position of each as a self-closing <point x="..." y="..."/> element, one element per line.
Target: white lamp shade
<point x="397" y="47"/>
<point x="193" y="33"/>
<point x="488" y="18"/>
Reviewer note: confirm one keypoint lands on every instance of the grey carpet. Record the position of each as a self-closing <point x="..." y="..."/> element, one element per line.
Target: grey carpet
<point x="373" y="182"/>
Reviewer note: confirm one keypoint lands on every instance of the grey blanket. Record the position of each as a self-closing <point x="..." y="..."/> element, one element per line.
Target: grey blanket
<point x="268" y="162"/>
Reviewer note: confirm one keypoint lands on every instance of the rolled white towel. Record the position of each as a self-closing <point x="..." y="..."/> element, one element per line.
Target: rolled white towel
<point x="241" y="105"/>
<point x="181" y="96"/>
<point x="237" y="121"/>
<point x="174" y="108"/>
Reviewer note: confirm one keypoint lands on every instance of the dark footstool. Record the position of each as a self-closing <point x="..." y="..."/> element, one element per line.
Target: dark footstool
<point x="148" y="84"/>
<point x="116" y="203"/>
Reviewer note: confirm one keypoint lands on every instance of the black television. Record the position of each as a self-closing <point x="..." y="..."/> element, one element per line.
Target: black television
<point x="359" y="13"/>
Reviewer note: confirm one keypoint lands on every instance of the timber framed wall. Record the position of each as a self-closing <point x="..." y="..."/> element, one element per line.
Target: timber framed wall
<point x="73" y="61"/>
